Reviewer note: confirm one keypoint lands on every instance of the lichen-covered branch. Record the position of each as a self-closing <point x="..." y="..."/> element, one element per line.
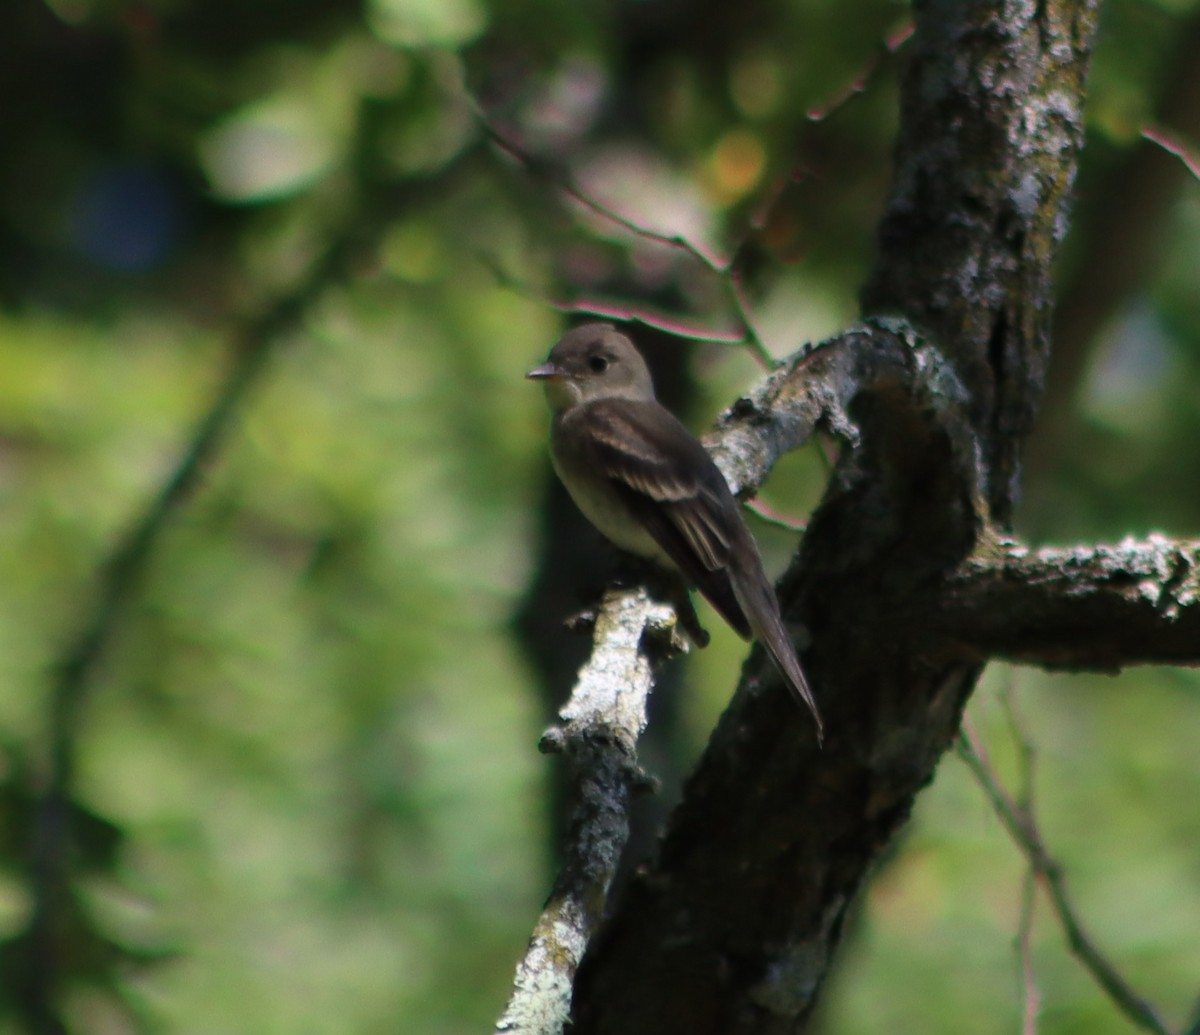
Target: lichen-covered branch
<point x="1084" y="608"/>
<point x="598" y="740"/>
<point x="816" y="388"/>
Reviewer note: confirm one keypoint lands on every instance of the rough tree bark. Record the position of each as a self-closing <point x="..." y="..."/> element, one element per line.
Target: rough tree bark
<point x="905" y="583"/>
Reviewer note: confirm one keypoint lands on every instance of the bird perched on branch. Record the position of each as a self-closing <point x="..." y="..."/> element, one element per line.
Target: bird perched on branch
<point x="651" y="488"/>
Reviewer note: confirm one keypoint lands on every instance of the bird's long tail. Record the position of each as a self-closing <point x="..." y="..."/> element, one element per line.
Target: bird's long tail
<point x="762" y="609"/>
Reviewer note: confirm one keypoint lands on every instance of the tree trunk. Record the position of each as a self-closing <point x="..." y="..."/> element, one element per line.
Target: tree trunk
<point x="732" y="927"/>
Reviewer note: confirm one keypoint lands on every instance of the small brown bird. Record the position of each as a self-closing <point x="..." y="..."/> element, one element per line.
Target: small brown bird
<point x="649" y="486"/>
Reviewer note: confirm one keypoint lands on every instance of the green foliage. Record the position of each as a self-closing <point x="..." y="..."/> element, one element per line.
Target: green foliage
<point x="303" y="791"/>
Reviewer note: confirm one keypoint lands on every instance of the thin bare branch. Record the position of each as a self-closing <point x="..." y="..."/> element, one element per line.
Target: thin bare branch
<point x="769" y="516"/>
<point x="585" y="306"/>
<point x="563" y="182"/>
<point x="862" y="81"/>
<point x="1030" y="995"/>
<point x="647" y="318"/>
<point x="677" y="241"/>
<point x="1022" y="828"/>
<point x="1031" y="1000"/>
<point x="722" y="268"/>
<point x="737" y="293"/>
<point x="1172" y="144"/>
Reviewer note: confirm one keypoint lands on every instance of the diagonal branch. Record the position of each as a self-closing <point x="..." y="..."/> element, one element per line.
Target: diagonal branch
<point x="598" y="739"/>
<point x="120" y="575"/>
<point x="1174" y="145"/>
<point x="592" y="305"/>
<point x="724" y="269"/>
<point x="1023" y="829"/>
<point x="1026" y="753"/>
<point x="119" y="582"/>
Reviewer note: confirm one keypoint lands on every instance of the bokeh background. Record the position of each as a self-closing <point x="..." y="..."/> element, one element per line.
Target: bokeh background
<point x="295" y="749"/>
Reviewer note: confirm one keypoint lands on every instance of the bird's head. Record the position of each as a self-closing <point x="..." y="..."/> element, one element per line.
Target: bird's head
<point x="595" y="361"/>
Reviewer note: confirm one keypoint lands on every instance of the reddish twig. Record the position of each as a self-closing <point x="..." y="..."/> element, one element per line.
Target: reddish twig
<point x="1171" y="143"/>
<point x="583" y="306"/>
<point x="772" y="517"/>
<point x="723" y="269"/>
<point x="863" y="80"/>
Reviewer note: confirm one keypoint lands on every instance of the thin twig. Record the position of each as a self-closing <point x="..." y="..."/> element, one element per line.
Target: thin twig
<point x="1171" y="143"/>
<point x="1030" y="995"/>
<point x="1022" y="828"/>
<point x="770" y="516"/>
<point x="722" y="269"/>
<point x="1031" y="1000"/>
<point x="862" y="81"/>
<point x="690" y="332"/>
<point x="562" y="181"/>
<point x="741" y="305"/>
<point x="583" y="306"/>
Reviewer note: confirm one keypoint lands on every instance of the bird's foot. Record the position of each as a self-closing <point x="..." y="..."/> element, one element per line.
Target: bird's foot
<point x="690" y="621"/>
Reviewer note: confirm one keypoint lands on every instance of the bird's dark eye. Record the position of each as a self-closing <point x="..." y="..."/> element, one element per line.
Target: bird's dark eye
<point x="599" y="364"/>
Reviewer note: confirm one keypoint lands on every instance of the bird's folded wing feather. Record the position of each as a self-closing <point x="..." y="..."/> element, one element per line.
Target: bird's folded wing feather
<point x="669" y="481"/>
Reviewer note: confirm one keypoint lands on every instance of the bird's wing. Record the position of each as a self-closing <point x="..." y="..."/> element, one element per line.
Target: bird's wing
<point x="670" y="483"/>
<point x="672" y="486"/>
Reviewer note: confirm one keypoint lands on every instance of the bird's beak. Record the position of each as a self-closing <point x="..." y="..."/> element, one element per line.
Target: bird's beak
<point x="546" y="370"/>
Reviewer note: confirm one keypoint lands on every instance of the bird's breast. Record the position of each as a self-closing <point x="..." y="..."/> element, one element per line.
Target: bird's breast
<point x="602" y="505"/>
